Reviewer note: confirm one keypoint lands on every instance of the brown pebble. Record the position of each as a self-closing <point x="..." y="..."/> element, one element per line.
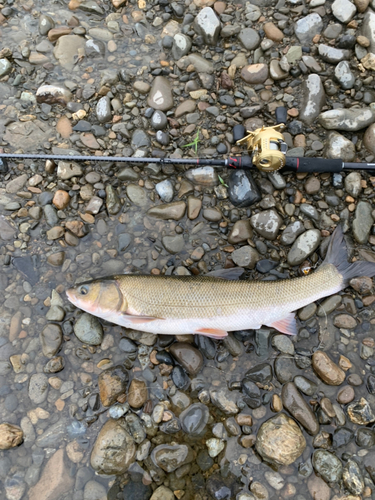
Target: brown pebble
<point x="15" y="326"/>
<point x="327" y="407"/>
<point x="248" y="441"/>
<point x="64" y="127"/>
<point x="137" y="394"/>
<point x="345" y="395"/>
<point x="55" y="33"/>
<point x="327" y="369"/>
<point x="243" y="419"/>
<point x="344" y="363"/>
<point x="345" y="321"/>
<point x="312" y="185"/>
<point x="276" y="403"/>
<point x="362" y="285"/>
<point x="273" y="32"/>
<point x="10" y="436"/>
<point x="61" y="199"/>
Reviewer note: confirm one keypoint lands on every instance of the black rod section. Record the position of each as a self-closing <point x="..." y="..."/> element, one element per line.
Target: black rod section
<point x="124" y="159"/>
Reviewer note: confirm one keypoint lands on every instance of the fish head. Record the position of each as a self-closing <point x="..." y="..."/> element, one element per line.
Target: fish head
<point x="100" y="297"/>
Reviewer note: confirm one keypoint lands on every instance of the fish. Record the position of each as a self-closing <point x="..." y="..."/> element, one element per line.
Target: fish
<point x="214" y="304"/>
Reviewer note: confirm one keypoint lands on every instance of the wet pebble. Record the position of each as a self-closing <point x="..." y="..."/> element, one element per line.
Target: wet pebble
<point x="88" y="329"/>
<point x="280" y="440"/>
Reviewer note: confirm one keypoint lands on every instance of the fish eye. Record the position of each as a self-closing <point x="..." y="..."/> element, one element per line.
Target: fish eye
<point x="83" y="290"/>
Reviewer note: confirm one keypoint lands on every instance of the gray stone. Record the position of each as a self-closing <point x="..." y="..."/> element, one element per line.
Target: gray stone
<point x="173" y="244"/>
<point x="304" y="246"/>
<point x="169" y="458"/>
<point x="339" y="147"/>
<point x="200" y="64"/>
<point x="310" y="211"/>
<point x="194" y="419"/>
<point x="46" y="23"/>
<point x="101" y="34"/>
<point x="88" y="329"/>
<point x="276" y="71"/>
<point x="307" y="27"/>
<point x="313" y="99"/>
<point x="181" y="46"/>
<point x="350" y="120"/>
<point x="5" y="67"/>
<point x="267" y="223"/>
<point x="159" y="120"/>
<point x="369" y="139"/>
<point x="283" y="344"/>
<point x="362" y="222"/>
<point x="95" y="48"/>
<point x="295" y="403"/>
<point x="343" y="10"/>
<point x="51" y="339"/>
<point x="94" y="491"/>
<point x="245" y="256"/>
<point x="255" y="73"/>
<point x="291" y="232"/>
<point x="67" y="49"/>
<point x="332" y="54"/>
<point x="165" y="190"/>
<point x="327" y="465"/>
<point x="368" y="28"/>
<point x="103" y="109"/>
<point x="38" y="388"/>
<point x="114" y="449"/>
<point x="353" y="184"/>
<point x="249" y="38"/>
<point x="207" y="25"/>
<point x="137" y="195"/>
<point x="160" y="96"/>
<point x="344" y="76"/>
<point x="140" y="139"/>
<point x="53" y="435"/>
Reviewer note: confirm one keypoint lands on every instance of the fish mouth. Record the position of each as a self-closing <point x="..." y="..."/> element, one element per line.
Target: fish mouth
<point x="69" y="294"/>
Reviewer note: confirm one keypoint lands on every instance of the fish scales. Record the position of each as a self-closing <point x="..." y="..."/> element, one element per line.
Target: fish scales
<point x="211" y="306"/>
<point x="185" y="297"/>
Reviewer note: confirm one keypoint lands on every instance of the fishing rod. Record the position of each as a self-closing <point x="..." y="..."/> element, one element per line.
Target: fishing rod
<point x="266" y="147"/>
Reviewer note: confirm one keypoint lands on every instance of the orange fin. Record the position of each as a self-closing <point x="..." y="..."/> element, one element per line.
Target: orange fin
<point x="286" y="325"/>
<point x="212" y="332"/>
<point x="139" y="319"/>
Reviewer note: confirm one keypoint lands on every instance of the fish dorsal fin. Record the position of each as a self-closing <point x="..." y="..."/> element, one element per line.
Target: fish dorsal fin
<point x="233" y="273"/>
<point x="286" y="325"/>
<point x="214" y="333"/>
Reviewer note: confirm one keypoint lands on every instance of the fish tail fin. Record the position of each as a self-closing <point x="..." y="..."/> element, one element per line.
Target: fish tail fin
<point x="337" y="254"/>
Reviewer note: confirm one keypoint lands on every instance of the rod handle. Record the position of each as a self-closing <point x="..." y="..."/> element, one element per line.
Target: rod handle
<point x="243" y="162"/>
<point x="313" y="165"/>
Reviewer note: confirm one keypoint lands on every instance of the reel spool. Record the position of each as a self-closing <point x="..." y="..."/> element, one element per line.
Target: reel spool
<point x="267" y="147"/>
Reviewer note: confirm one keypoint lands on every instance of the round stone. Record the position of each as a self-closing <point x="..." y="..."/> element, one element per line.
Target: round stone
<point x="280" y="440"/>
<point x="88" y="329"/>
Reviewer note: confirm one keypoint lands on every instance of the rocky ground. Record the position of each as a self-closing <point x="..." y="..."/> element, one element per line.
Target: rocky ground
<point x="89" y="409"/>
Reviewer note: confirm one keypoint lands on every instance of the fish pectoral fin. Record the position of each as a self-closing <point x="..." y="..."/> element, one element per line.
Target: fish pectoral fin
<point x="286" y="325"/>
<point x="232" y="273"/>
<point x="214" y="333"/>
<point x="139" y="319"/>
